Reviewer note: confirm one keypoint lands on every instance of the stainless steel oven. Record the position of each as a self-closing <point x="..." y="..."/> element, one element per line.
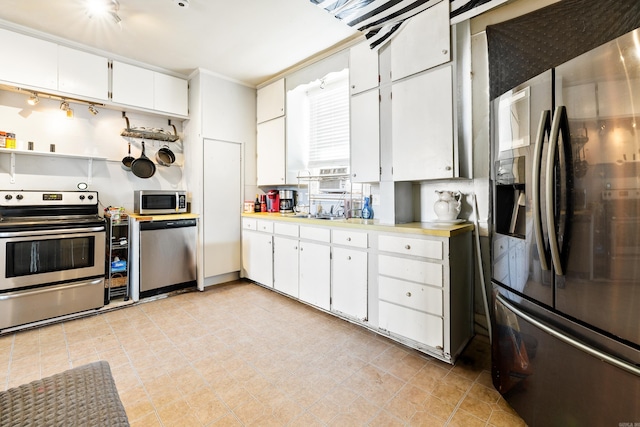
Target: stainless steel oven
<point x="52" y="255"/>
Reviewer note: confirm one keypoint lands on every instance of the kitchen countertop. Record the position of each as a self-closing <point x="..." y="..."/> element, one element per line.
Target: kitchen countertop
<point x="425" y="228"/>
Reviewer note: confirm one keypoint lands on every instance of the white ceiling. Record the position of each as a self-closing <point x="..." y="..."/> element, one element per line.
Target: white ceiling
<point x="246" y="40"/>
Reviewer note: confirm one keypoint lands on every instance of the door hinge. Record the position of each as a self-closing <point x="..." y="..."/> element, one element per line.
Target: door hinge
<point x="380" y="171"/>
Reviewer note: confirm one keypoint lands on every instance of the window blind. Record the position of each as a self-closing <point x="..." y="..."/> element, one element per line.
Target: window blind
<point x="329" y="124"/>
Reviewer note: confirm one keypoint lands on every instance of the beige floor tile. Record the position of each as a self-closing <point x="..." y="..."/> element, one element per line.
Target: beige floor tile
<point x="150" y="420"/>
<point x="407" y="402"/>
<point x="206" y="405"/>
<point x="243" y="355"/>
<point x="385" y="419"/>
<point x="464" y="419"/>
<point x="178" y="413"/>
<point x="438" y="408"/>
<point x="505" y="419"/>
<point x="476" y="407"/>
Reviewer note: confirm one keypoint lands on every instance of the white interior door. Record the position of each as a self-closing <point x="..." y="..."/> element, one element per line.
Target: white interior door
<point x="222" y="207"/>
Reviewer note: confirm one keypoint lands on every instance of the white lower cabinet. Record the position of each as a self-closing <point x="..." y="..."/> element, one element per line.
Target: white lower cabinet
<point x="315" y="274"/>
<point x="424" y="295"/>
<point x="257" y="251"/>
<point x="302" y="266"/>
<point x="349" y="278"/>
<point x="285" y="265"/>
<point x="349" y="283"/>
<point x="315" y="266"/>
<point x="422" y="289"/>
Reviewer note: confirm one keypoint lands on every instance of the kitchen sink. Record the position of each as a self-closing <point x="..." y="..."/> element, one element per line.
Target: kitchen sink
<point x="323" y="217"/>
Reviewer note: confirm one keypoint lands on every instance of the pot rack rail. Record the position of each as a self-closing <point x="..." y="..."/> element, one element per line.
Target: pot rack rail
<point x="151" y="134"/>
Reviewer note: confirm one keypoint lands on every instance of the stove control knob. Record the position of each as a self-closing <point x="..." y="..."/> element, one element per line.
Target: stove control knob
<point x="8" y="197"/>
<point x="19" y="197"/>
<point x="82" y="197"/>
<point x="90" y="197"/>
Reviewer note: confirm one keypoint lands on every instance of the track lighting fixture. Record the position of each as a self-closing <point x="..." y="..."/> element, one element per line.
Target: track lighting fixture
<point x="64" y="106"/>
<point x="93" y="110"/>
<point x="33" y="99"/>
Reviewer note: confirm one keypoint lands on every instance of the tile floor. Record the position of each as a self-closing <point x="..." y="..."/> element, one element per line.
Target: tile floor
<point x="239" y="354"/>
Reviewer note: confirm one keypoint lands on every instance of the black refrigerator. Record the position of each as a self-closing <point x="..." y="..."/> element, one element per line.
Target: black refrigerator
<point x="566" y="241"/>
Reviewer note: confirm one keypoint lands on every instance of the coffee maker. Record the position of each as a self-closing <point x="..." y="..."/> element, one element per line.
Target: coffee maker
<point x="273" y="201"/>
<point x="287" y="200"/>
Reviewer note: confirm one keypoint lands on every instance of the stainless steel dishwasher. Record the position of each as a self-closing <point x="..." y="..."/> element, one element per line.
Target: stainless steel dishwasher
<point x="167" y="255"/>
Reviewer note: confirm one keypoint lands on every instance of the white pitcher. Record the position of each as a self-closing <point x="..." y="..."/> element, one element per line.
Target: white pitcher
<point x="448" y="205"/>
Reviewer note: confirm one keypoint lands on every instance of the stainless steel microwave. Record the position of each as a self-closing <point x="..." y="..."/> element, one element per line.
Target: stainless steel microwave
<point x="158" y="202"/>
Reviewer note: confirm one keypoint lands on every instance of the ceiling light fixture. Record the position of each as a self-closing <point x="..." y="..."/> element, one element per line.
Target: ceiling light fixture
<point x="93" y="110"/>
<point x="33" y="99"/>
<point x="182" y="3"/>
<point x="104" y="8"/>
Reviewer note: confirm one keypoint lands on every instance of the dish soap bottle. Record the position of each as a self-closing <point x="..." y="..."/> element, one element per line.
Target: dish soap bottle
<point x="367" y="212"/>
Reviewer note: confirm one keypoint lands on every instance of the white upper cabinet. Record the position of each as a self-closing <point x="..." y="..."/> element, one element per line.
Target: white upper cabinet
<point x="422" y="127"/>
<point x="132" y="85"/>
<point x="363" y="68"/>
<point x="171" y="94"/>
<point x="423" y="43"/>
<point x="28" y="61"/>
<point x="140" y="87"/>
<point x="82" y="73"/>
<point x="365" y="137"/>
<point x="271" y="101"/>
<point x="270" y="148"/>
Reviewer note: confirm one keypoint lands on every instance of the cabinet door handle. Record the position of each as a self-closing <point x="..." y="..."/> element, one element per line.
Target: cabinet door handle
<point x="407" y="247"/>
<point x="349" y="258"/>
<point x="408" y="294"/>
<point x="295" y="247"/>
<point x="348" y="239"/>
<point x="301" y="249"/>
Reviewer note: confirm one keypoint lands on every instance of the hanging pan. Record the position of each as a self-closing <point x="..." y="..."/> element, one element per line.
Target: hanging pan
<point x="143" y="167"/>
<point x="165" y="156"/>
<point x="126" y="162"/>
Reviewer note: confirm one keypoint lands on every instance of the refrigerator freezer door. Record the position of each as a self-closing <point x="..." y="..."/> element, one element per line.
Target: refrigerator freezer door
<point x="551" y="378"/>
<point x="518" y="257"/>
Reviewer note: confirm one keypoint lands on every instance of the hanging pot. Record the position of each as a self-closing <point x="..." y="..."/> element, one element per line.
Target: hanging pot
<point x="143" y="167"/>
<point x="126" y="162"/>
<point x="164" y="156"/>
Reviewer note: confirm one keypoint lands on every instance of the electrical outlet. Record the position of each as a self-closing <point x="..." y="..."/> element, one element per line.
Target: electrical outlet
<point x="375" y="200"/>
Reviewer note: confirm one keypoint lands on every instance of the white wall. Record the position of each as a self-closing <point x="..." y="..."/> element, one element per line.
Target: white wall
<point x="84" y="134"/>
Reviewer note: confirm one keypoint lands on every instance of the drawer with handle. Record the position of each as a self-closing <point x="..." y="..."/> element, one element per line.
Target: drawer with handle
<point x="412" y="295"/>
<point x="356" y="239"/>
<point x="428" y="273"/>
<point x="411" y="246"/>
<point x="265" y="226"/>
<point x="249" y="224"/>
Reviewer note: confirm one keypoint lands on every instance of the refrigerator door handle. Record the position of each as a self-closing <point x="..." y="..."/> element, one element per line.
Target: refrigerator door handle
<point x="619" y="363"/>
<point x="559" y="124"/>
<point x="543" y="130"/>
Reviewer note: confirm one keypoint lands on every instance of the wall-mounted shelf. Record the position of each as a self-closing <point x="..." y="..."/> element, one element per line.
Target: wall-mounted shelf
<point x="13" y="153"/>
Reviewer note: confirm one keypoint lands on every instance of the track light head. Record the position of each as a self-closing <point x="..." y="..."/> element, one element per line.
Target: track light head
<point x="33" y="99"/>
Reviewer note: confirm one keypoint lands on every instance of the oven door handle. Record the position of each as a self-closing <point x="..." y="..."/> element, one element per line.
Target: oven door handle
<point x="41" y="290"/>
<point x="9" y="234"/>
